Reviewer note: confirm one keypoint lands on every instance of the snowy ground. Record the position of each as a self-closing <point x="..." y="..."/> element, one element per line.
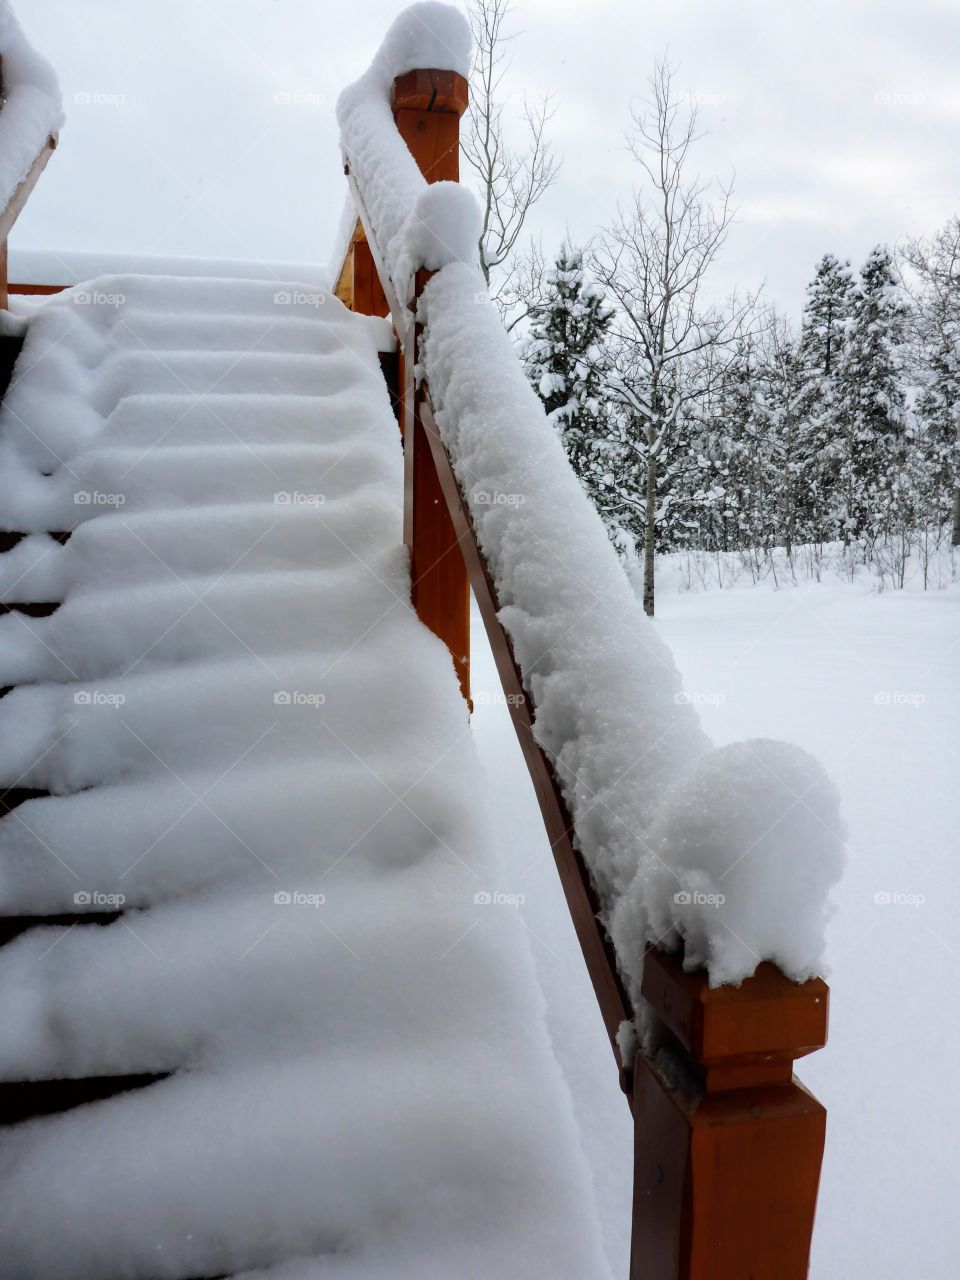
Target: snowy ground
<point x="869" y="684"/>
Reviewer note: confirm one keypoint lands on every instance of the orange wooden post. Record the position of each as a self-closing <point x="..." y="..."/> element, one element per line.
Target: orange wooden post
<point x="728" y="1144"/>
<point x="427" y="106"/>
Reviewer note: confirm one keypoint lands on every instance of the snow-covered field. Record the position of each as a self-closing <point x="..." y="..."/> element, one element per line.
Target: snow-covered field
<point x="869" y="684"/>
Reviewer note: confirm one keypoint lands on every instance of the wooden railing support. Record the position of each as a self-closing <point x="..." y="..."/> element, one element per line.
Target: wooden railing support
<point x="728" y="1144"/>
<point x="427" y="106"/>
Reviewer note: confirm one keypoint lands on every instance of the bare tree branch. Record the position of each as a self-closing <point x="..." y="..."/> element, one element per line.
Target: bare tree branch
<point x="510" y="180"/>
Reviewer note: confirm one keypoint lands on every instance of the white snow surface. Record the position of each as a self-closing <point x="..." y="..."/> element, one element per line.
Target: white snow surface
<point x="661" y="818"/>
<point x="868" y="683"/>
<point x="31" y="109"/>
<point x="75" y="266"/>
<point x="414" y="226"/>
<point x="255" y="749"/>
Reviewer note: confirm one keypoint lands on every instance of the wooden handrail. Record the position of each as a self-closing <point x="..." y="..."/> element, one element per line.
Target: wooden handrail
<point x="728" y="1146"/>
<point x="580" y="897"/>
<point x="30" y="290"/>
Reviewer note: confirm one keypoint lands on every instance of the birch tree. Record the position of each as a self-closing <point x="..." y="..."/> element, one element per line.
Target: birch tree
<point x="654" y="260"/>
<point x="930" y="269"/>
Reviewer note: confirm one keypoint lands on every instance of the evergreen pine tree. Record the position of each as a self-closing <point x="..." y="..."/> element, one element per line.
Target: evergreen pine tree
<point x="873" y="474"/>
<point x="938" y="432"/>
<point x="818" y="452"/>
<point x="933" y="267"/>
<point x="566" y="363"/>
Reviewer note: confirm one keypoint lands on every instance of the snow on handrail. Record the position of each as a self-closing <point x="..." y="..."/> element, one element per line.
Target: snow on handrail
<point x="30" y="116"/>
<point x="415" y="224"/>
<point x="730" y="851"/>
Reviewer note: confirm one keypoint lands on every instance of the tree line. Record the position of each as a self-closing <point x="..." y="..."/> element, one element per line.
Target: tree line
<point x="844" y="433"/>
<point x="710" y="425"/>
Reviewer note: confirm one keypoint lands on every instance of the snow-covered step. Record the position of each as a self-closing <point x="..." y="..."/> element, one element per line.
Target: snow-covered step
<point x="154" y="842"/>
<point x="183" y="544"/>
<point x="281" y="475"/>
<point x="279" y="332"/>
<point x="114" y="630"/>
<point x="149" y="722"/>
<point x="186" y="421"/>
<point x="205" y="373"/>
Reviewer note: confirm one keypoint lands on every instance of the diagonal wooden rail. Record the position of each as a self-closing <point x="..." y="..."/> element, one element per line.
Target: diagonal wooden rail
<point x="728" y="1145"/>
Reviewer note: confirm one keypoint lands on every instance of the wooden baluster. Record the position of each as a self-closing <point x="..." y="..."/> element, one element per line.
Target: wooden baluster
<point x="728" y="1144"/>
<point x="427" y="107"/>
<point x="358" y="285"/>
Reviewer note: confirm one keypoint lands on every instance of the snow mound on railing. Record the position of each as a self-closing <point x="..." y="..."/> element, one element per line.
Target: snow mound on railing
<point x="665" y="824"/>
<point x="31" y="109"/>
<point x="413" y="227"/>
<point x="741" y="860"/>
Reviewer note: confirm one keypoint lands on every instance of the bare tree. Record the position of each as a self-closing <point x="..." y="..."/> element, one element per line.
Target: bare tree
<point x="930" y="271"/>
<point x="520" y="291"/>
<point x="670" y="341"/>
<point x="511" y="179"/>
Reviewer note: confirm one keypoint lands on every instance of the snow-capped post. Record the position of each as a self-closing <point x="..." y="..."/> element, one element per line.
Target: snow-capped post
<point x="427" y="106"/>
<point x="728" y="1144"/>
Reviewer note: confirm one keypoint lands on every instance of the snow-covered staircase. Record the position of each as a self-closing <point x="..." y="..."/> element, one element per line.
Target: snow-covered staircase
<point x="264" y="1009"/>
<point x="262" y="839"/>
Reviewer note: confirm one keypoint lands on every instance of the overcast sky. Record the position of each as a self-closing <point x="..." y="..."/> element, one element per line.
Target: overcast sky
<point x="840" y="119"/>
